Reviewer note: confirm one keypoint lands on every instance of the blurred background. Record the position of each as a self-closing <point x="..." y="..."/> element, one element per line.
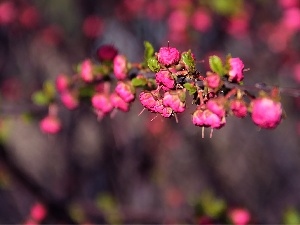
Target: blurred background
<point x="129" y="169"/>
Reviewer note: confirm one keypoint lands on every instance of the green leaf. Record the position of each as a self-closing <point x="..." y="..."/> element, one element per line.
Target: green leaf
<point x="188" y="60"/>
<point x="153" y="64"/>
<point x="49" y="89"/>
<point x="291" y="216"/>
<point x="191" y="88"/>
<point x="139" y="82"/>
<point x="86" y="91"/>
<point x="149" y="50"/>
<point x="39" y="98"/>
<point x="216" y="65"/>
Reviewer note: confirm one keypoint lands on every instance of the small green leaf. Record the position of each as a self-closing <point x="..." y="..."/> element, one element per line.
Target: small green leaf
<point x="191" y="88"/>
<point x="39" y="98"/>
<point x="86" y="91"/>
<point x="216" y="65"/>
<point x="139" y="82"/>
<point x="153" y="64"/>
<point x="149" y="50"/>
<point x="49" y="89"/>
<point x="188" y="60"/>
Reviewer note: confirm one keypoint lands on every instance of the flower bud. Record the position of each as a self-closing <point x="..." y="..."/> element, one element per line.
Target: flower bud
<point x="216" y="105"/>
<point x="86" y="72"/>
<point x="50" y="125"/>
<point x="147" y="99"/>
<point x="38" y="212"/>
<point x="236" y="70"/>
<point x="120" y="67"/>
<point x="238" y="108"/>
<point x="206" y="118"/>
<point x="168" y="56"/>
<point x="239" y="216"/>
<point x="173" y="100"/>
<point x="69" y="100"/>
<point x="119" y="103"/>
<point x="165" y="78"/>
<point x="126" y="91"/>
<point x="266" y="113"/>
<point x="213" y="80"/>
<point x="102" y="102"/>
<point x="106" y="53"/>
<point x="62" y="83"/>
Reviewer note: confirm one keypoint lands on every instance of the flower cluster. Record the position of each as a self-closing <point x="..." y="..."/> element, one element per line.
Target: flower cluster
<point x="165" y="80"/>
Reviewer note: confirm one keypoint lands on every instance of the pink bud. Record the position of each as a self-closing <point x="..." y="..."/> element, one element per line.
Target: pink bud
<point x="216" y="105"/>
<point x="213" y="80"/>
<point x="106" y="53"/>
<point x="38" y="212"/>
<point x="168" y="56"/>
<point x="173" y="101"/>
<point x="239" y="216"/>
<point x="165" y="78"/>
<point x="69" y="100"/>
<point x="102" y="102"/>
<point x="147" y="99"/>
<point x="126" y="91"/>
<point x="50" y="125"/>
<point x="266" y="113"/>
<point x="238" y="108"/>
<point x="119" y="103"/>
<point x="206" y="118"/>
<point x="87" y="70"/>
<point x="62" y="83"/>
<point x="120" y="67"/>
<point x="236" y="70"/>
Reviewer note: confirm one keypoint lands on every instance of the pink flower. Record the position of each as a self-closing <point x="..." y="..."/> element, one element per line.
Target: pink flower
<point x="119" y="103"/>
<point x="38" y="212"/>
<point x="106" y="53"/>
<point x="147" y="99"/>
<point x="266" y="113"/>
<point x="168" y="56"/>
<point x="236" y="69"/>
<point x="174" y="101"/>
<point x="126" y="91"/>
<point x="120" y="67"/>
<point x="87" y="70"/>
<point x="7" y="12"/>
<point x="178" y="21"/>
<point x="102" y="102"/>
<point x="29" y="17"/>
<point x="288" y="3"/>
<point x="69" y="100"/>
<point x="165" y="78"/>
<point x="92" y="26"/>
<point x="239" y="216"/>
<point x="291" y="19"/>
<point x="201" y="20"/>
<point x="238" y="108"/>
<point x="216" y="105"/>
<point x="50" y="125"/>
<point x="161" y="109"/>
<point x="213" y="80"/>
<point x="206" y="118"/>
<point x="62" y="83"/>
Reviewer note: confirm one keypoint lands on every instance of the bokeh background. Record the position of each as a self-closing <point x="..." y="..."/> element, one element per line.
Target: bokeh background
<point x="129" y="169"/>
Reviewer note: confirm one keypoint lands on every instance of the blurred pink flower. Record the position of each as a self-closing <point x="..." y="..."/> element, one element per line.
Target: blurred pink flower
<point x="126" y="91"/>
<point x="178" y="21"/>
<point x="201" y="20"/>
<point x="288" y="3"/>
<point x="239" y="216"/>
<point x="174" y="101"/>
<point x="168" y="56"/>
<point x="106" y="53"/>
<point x="29" y="17"/>
<point x="213" y="80"/>
<point x="62" y="83"/>
<point x="291" y="19"/>
<point x="50" y="125"/>
<point x="216" y="106"/>
<point x="119" y="103"/>
<point x="102" y="102"/>
<point x="157" y="6"/>
<point x="38" y="212"/>
<point x="236" y="69"/>
<point x="120" y="67"/>
<point x="8" y="12"/>
<point x="238" y="26"/>
<point x="296" y="72"/>
<point x="69" y="100"/>
<point x="266" y="113"/>
<point x="92" y="26"/>
<point x="86" y="70"/>
<point x="238" y="108"/>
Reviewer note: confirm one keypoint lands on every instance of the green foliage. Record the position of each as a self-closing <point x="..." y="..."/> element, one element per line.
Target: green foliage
<point x="108" y="206"/>
<point x="46" y="95"/>
<point x="149" y="50"/>
<point x="226" y="7"/>
<point x="153" y="64"/>
<point x="139" y="81"/>
<point x="86" y="91"/>
<point x="189" y="61"/>
<point x="216" y="65"/>
<point x="192" y="89"/>
<point x="291" y="216"/>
